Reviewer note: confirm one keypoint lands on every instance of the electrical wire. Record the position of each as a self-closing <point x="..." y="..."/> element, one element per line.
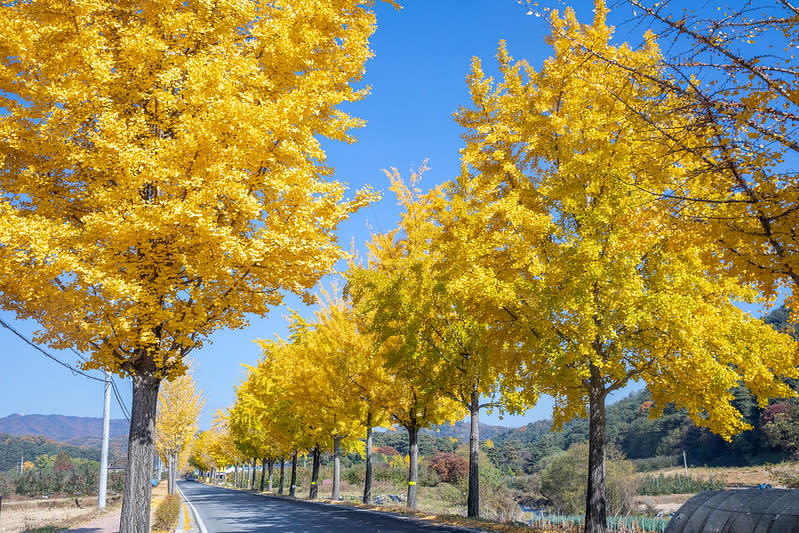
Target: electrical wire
<point x="69" y="367"/>
<point x="119" y="400"/>
<point x="72" y="369"/>
<point x="117" y="395"/>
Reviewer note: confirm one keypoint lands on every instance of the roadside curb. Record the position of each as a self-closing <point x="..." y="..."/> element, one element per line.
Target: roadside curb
<point x="194" y="518"/>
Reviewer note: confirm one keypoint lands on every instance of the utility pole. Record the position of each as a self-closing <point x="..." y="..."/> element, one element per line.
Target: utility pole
<point x="104" y="447"/>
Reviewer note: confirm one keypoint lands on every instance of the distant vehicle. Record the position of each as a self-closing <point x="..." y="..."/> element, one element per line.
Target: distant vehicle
<point x="189" y="477"/>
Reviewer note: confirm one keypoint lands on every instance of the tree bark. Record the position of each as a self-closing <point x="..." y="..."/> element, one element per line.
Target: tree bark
<point x="282" y="474"/>
<point x="251" y="477"/>
<point x="263" y="473"/>
<point x="293" y="487"/>
<point x="314" y="490"/>
<point x="595" y="504"/>
<point x="271" y="467"/>
<point x="172" y="476"/>
<point x="135" y="517"/>
<point x="473" y="499"/>
<point x="236" y="476"/>
<point x="168" y="472"/>
<point x="367" y="481"/>
<point x="336" y="467"/>
<point x="413" y="467"/>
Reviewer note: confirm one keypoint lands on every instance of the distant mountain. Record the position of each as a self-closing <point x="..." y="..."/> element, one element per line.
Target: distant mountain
<point x="73" y="429"/>
<point x="460" y="430"/>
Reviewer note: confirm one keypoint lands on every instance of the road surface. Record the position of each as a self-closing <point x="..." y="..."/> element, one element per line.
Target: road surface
<point x="232" y="511"/>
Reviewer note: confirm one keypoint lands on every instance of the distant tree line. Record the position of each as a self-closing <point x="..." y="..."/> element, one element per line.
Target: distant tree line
<point x="29" y="447"/>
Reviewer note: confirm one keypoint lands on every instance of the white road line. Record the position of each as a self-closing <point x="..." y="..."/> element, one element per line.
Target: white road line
<point x="197" y="518"/>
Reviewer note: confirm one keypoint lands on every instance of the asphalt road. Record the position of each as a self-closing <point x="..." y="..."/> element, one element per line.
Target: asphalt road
<point x="231" y="511"/>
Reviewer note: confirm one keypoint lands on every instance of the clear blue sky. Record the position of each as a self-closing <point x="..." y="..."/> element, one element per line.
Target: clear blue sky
<point x="422" y="56"/>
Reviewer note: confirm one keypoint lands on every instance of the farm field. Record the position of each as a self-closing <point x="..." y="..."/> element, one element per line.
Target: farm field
<point x="40" y="515"/>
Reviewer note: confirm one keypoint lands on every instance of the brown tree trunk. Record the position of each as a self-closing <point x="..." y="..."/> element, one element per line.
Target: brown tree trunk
<point x="595" y="504"/>
<point x="236" y="476"/>
<point x="317" y="456"/>
<point x="473" y="499"/>
<point x="251" y="477"/>
<point x="263" y="473"/>
<point x="293" y="487"/>
<point x="282" y="474"/>
<point x="367" y="481"/>
<point x="269" y="478"/>
<point x="135" y="517"/>
<point x="413" y="468"/>
<point x="336" y="467"/>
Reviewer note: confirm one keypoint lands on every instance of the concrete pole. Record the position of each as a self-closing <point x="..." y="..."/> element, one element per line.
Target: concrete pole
<point x="104" y="448"/>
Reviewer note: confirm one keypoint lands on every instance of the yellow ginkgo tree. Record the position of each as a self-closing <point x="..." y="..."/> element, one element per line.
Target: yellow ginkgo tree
<point x="592" y="281"/>
<point x="410" y="295"/>
<point x="735" y="73"/>
<point x="350" y="380"/>
<point x="179" y="406"/>
<point x="161" y="175"/>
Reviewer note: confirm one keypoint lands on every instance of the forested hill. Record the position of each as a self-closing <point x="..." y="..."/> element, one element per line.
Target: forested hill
<point x="29" y="447"/>
<point x="73" y="429"/>
<point x="460" y="431"/>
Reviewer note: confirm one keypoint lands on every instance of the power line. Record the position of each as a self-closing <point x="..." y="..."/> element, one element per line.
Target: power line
<point x="69" y="367"/>
<point x="72" y="369"/>
<point x="114" y="386"/>
<point x="119" y="399"/>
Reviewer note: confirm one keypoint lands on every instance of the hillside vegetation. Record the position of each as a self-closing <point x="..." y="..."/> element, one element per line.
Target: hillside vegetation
<point x="29" y="447"/>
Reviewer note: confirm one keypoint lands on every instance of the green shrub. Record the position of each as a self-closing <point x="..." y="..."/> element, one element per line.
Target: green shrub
<point x="355" y="474"/>
<point x="661" y="484"/>
<point x="167" y="513"/>
<point x="564" y="479"/>
<point x="428" y="477"/>
<point x="657" y="462"/>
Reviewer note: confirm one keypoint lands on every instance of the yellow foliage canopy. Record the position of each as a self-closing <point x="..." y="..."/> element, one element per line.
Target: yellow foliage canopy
<point x="179" y="406"/>
<point x="160" y="167"/>
<point x="584" y="274"/>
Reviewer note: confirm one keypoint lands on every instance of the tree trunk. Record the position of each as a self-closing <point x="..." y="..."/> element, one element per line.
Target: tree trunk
<point x="251" y="478"/>
<point x="135" y="517"/>
<point x="473" y="499"/>
<point x="269" y="479"/>
<point x="172" y="474"/>
<point x="169" y="459"/>
<point x="236" y="476"/>
<point x="413" y="468"/>
<point x="282" y="474"/>
<point x="293" y="487"/>
<point x="595" y="504"/>
<point x="317" y="456"/>
<point x="263" y="473"/>
<point x="367" y="481"/>
<point x="336" y="467"/>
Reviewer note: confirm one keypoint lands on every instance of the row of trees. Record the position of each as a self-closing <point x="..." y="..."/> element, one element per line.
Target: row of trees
<point x="599" y="232"/>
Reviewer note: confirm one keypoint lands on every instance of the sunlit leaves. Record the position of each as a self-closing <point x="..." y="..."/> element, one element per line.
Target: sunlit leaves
<point x="161" y="173"/>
